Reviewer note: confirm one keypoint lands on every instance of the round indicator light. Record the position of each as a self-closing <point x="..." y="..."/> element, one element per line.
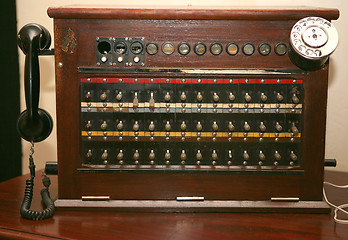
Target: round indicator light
<point x="151" y="48"/>
<point x="136" y="47"/>
<point x="168" y="48"/>
<point x="281" y="49"/>
<point x="120" y="48"/>
<point x="200" y="49"/>
<point x="232" y="49"/>
<point x="248" y="49"/>
<point x="216" y="49"/>
<point x="264" y="49"/>
<point x="184" y="48"/>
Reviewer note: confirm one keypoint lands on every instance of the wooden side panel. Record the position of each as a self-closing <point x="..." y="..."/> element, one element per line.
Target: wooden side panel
<point x="68" y="106"/>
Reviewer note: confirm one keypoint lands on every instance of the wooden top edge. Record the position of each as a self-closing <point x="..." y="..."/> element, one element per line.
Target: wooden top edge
<point x="192" y="13"/>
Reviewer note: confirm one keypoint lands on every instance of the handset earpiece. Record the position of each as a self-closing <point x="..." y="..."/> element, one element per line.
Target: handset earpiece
<point x="33" y="124"/>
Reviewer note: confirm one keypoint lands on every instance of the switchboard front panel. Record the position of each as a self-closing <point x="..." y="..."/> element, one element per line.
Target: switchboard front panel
<point x="192" y="109"/>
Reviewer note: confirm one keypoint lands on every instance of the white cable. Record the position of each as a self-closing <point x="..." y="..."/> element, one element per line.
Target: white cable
<point x="337" y="208"/>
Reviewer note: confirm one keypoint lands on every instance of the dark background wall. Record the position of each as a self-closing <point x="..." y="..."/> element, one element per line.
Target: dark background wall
<point x="10" y="143"/>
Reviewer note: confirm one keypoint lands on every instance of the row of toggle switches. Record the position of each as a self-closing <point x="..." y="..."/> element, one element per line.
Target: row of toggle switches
<point x="199" y="127"/>
<point x="276" y="158"/>
<point x="183" y="97"/>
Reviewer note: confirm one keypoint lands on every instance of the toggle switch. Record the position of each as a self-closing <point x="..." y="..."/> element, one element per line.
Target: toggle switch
<point x="88" y="126"/>
<point x="247" y="97"/>
<point x="215" y="127"/>
<point x="151" y="102"/>
<point x="246" y="156"/>
<point x="167" y="126"/>
<point x="214" y="157"/>
<point x="277" y="156"/>
<point x="120" y="157"/>
<point x="183" y="157"/>
<point x="216" y="97"/>
<point x="183" y="126"/>
<point x="104" y="156"/>
<point x="167" y="156"/>
<point x="263" y="97"/>
<point x="229" y="162"/>
<point x="262" y="156"/>
<point x="136" y="156"/>
<point x="103" y="96"/>
<point x="295" y="99"/>
<point x="262" y="127"/>
<point x="246" y="127"/>
<point x="230" y="154"/>
<point x="199" y="97"/>
<point x="231" y="127"/>
<point x="199" y="126"/>
<point x="278" y="127"/>
<point x="120" y="126"/>
<point x="167" y="97"/>
<point x="152" y="157"/>
<point x="119" y="96"/>
<point x="183" y="97"/>
<point x="151" y="126"/>
<point x="279" y="97"/>
<point x="136" y="126"/>
<point x="294" y="129"/>
<point x="199" y="157"/>
<point x="135" y="101"/>
<point x="88" y="97"/>
<point x="89" y="154"/>
<point x="231" y="97"/>
<point x="293" y="156"/>
<point x="103" y="126"/>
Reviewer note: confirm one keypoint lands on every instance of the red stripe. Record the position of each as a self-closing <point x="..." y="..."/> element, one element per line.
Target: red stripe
<point x="236" y="81"/>
<point x="271" y="81"/>
<point x="286" y="81"/>
<point x="160" y="80"/>
<point x="253" y="81"/>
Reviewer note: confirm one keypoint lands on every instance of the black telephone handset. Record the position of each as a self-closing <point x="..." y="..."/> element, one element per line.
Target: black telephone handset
<point x="34" y="124"/>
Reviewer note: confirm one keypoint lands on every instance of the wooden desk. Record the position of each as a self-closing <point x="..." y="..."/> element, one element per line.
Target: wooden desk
<point x="164" y="226"/>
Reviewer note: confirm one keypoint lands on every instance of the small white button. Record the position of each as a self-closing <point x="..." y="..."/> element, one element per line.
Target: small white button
<point x="136" y="59"/>
<point x="103" y="59"/>
<point x="120" y="59"/>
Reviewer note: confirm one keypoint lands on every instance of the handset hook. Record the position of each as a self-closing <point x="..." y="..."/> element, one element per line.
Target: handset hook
<point x="34" y="124"/>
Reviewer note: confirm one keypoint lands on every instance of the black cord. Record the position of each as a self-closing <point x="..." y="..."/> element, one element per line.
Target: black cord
<point x="28" y="197"/>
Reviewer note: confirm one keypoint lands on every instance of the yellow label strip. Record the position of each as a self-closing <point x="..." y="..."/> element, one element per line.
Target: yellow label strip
<point x="187" y="134"/>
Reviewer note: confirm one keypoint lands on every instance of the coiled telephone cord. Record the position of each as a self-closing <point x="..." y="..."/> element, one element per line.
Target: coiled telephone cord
<point x="28" y="195"/>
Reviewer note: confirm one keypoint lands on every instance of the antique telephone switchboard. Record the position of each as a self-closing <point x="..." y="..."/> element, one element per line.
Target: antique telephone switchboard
<point x="192" y="109"/>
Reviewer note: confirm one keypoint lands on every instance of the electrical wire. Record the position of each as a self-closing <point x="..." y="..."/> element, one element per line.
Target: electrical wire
<point x="28" y="194"/>
<point x="337" y="208"/>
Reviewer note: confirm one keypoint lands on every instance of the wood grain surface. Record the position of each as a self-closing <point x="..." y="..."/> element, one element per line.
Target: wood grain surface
<point x="169" y="226"/>
<point x="187" y="12"/>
